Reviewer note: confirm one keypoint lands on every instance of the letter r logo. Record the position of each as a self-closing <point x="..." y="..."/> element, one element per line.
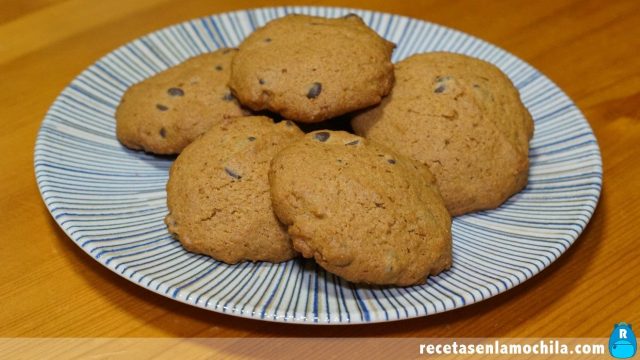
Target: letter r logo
<point x="622" y="343"/>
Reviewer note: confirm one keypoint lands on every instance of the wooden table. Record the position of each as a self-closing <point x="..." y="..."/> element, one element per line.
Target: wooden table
<point x="50" y="288"/>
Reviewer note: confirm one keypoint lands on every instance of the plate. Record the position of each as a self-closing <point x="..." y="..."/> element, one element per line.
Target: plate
<point x="111" y="201"/>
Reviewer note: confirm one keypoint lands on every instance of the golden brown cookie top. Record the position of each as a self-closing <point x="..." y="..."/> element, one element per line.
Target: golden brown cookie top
<point x="362" y="211"/>
<point x="463" y="118"/>
<point x="167" y="111"/>
<point x="310" y="68"/>
<point x="218" y="192"/>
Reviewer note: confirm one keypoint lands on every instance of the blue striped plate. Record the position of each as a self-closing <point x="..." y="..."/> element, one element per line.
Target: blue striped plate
<point x="111" y="201"/>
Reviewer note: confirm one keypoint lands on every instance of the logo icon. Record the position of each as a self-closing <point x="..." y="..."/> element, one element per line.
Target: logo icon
<point x="622" y="343"/>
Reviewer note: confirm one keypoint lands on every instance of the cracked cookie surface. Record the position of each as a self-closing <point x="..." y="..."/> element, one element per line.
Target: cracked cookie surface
<point x="218" y="192"/>
<point x="464" y="119"/>
<point x="310" y="68"/>
<point x="362" y="211"/>
<point x="166" y="112"/>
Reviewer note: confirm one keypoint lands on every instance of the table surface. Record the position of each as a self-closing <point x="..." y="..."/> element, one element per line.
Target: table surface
<point x="51" y="288"/>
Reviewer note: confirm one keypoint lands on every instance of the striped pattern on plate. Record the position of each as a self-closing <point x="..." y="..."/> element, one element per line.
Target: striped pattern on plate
<point x="111" y="201"/>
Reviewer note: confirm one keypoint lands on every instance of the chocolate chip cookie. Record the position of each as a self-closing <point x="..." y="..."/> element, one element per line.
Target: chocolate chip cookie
<point x="218" y="192"/>
<point x="362" y="211"/>
<point x="310" y="68"/>
<point x="166" y="112"/>
<point x="464" y="119"/>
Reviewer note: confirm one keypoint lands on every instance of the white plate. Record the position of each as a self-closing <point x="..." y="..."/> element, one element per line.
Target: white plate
<point x="111" y="201"/>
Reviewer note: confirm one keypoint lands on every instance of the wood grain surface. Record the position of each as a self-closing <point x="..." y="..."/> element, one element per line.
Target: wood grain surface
<point x="51" y="288"/>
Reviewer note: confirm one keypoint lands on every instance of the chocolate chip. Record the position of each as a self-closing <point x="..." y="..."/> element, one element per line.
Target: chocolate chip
<point x="391" y="161"/>
<point x="314" y="90"/>
<point x="219" y="67"/>
<point x="174" y="91"/>
<point x="439" y="89"/>
<point x="232" y="173"/>
<point x="322" y="136"/>
<point x="350" y="15"/>
<point x="476" y="86"/>
<point x="261" y="81"/>
<point x="267" y="40"/>
<point x="226" y="51"/>
<point x="163" y="132"/>
<point x="289" y="123"/>
<point x="228" y="97"/>
<point x="161" y="107"/>
<point x="354" y="142"/>
<point x="251" y="138"/>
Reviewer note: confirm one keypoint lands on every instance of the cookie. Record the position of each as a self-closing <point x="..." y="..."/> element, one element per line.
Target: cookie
<point x="464" y="119"/>
<point x="310" y="69"/>
<point x="218" y="192"/>
<point x="362" y="211"/>
<point x="166" y="112"/>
